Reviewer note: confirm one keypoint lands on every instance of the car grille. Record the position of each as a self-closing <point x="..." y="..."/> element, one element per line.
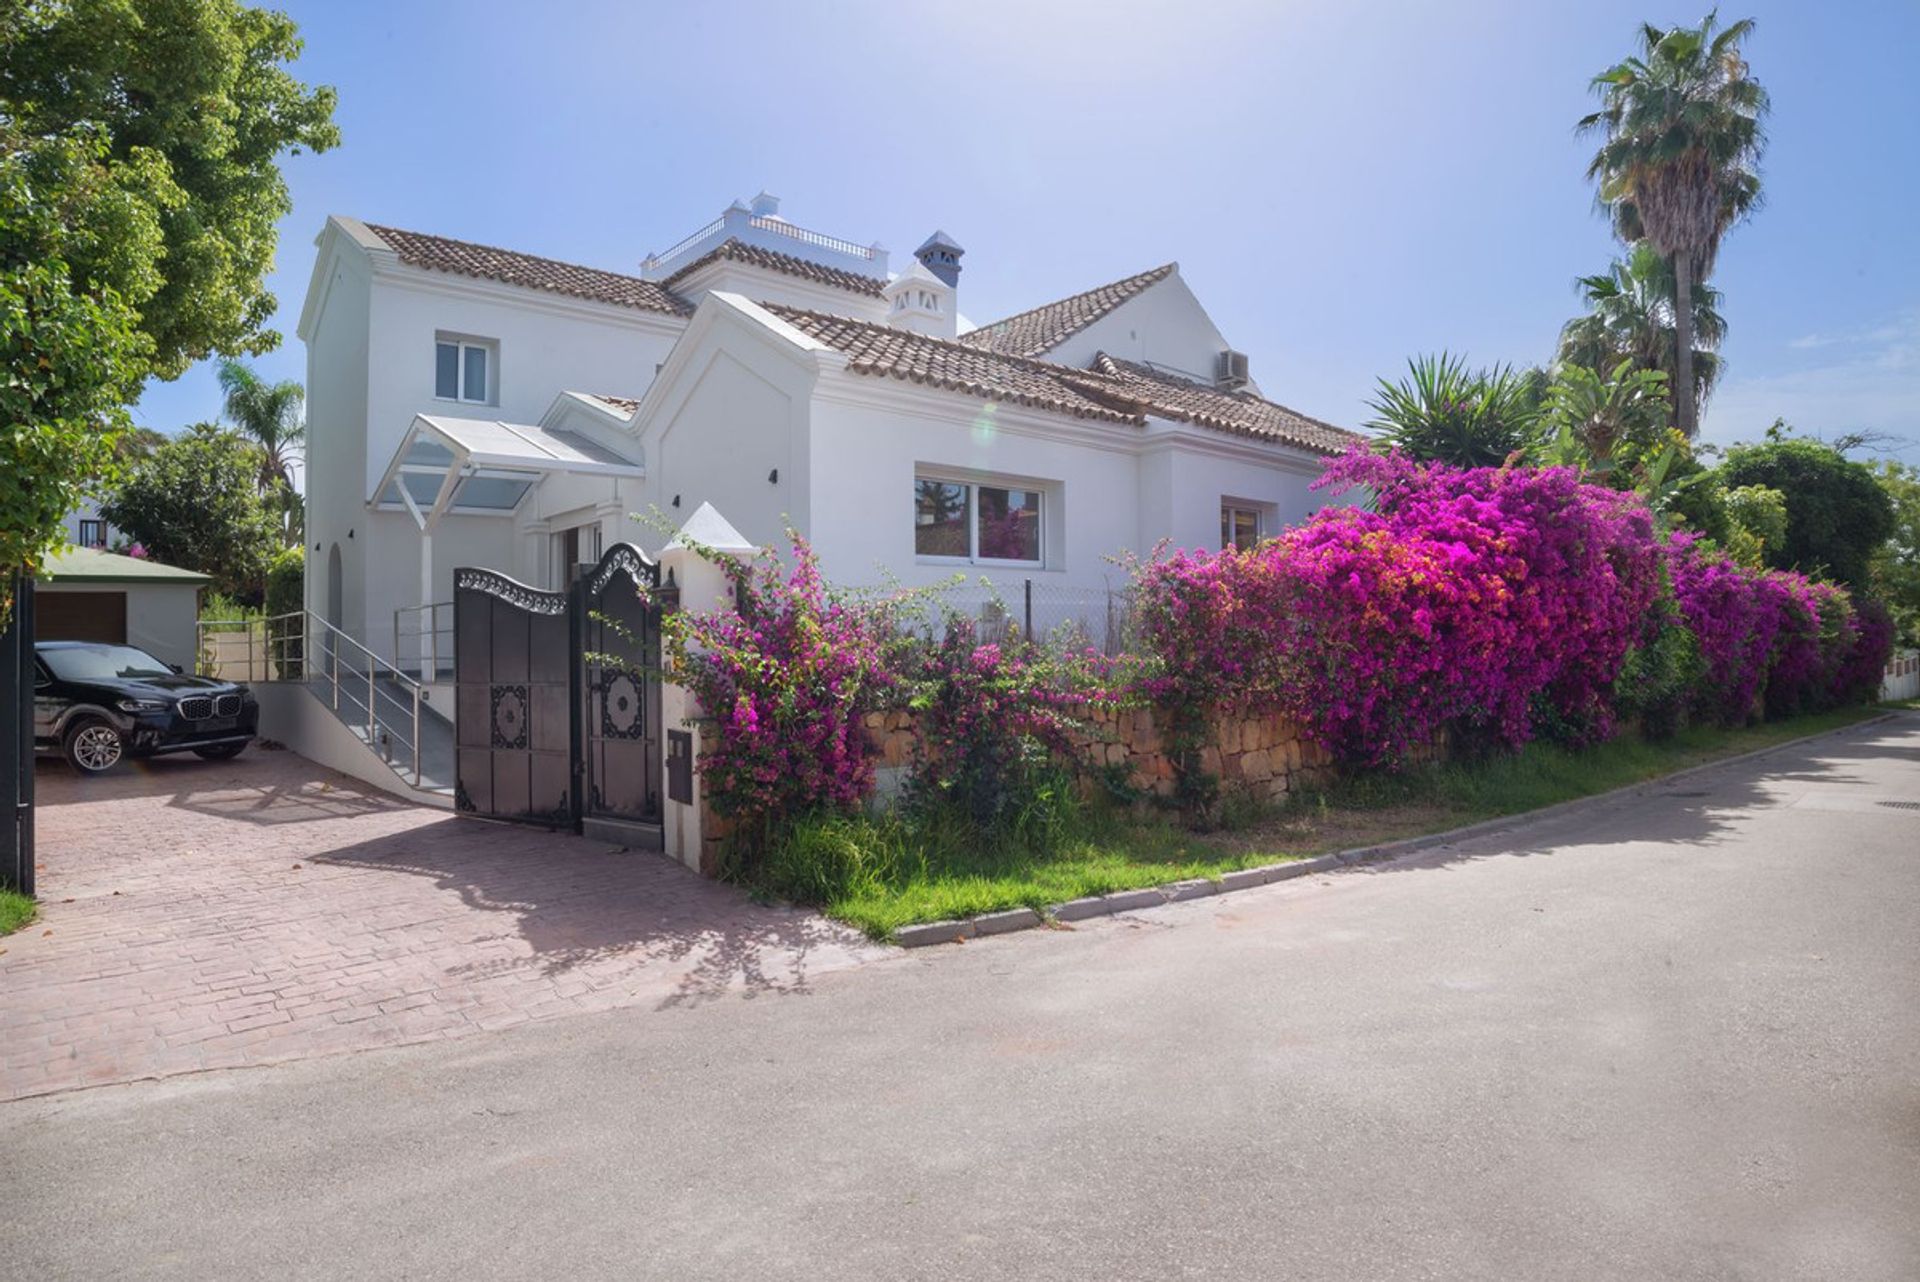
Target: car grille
<point x="226" y="705"/>
<point x="197" y="707"/>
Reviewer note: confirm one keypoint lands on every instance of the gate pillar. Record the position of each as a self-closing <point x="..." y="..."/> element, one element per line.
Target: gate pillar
<point x="688" y="826"/>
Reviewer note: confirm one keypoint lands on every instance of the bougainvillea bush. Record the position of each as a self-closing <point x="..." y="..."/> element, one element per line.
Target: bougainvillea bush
<point x="1476" y="599"/>
<point x="783" y="684"/>
<point x="1775" y="639"/>
<point x="1000" y="727"/>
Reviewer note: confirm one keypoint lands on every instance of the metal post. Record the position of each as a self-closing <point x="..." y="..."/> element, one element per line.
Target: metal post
<point x="16" y="741"/>
<point x="416" y="737"/>
<point x="371" y="742"/>
<point x="1028" y="626"/>
<point x="333" y="664"/>
<point x="396" y="640"/>
<point x="433" y="623"/>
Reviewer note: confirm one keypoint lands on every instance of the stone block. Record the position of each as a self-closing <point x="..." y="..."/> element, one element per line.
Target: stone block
<point x="1121" y="901"/>
<point x="1081" y="909"/>
<point x="1254" y="767"/>
<point x="933" y="932"/>
<point x="1243" y="879"/>
<point x="1001" y="923"/>
<point x="1193" y="888"/>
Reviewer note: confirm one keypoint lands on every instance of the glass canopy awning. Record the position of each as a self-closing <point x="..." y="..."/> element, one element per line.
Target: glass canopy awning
<point x="478" y="467"/>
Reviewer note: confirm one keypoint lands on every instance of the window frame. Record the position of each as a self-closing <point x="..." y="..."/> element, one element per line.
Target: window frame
<point x="99" y="526"/>
<point x="973" y="485"/>
<point x="462" y="344"/>
<point x="1232" y="507"/>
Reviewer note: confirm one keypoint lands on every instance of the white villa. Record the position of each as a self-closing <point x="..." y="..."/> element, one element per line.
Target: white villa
<point x="471" y="406"/>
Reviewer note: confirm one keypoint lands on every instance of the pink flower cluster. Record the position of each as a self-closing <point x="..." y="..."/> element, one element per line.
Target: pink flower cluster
<point x="784" y="684"/>
<point x="1773" y="637"/>
<point x="1490" y="600"/>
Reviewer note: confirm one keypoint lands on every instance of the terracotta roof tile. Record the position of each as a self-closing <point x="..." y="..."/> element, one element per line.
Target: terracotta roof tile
<point x="1241" y="413"/>
<point x="756" y="256"/>
<point x="936" y="362"/>
<point x="463" y="258"/>
<point x="1041" y="329"/>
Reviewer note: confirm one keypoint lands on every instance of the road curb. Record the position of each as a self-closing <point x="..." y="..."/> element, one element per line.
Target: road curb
<point x="1120" y="901"/>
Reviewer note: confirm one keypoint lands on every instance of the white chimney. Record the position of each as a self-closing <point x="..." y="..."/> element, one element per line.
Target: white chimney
<point x="918" y="300"/>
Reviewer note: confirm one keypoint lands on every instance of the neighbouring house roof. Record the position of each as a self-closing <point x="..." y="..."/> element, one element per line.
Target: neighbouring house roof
<point x="1242" y="413"/>
<point x="90" y="565"/>
<point x="625" y="404"/>
<point x="485" y="262"/>
<point x="938" y="362"/>
<point x="772" y="260"/>
<point x="1041" y="329"/>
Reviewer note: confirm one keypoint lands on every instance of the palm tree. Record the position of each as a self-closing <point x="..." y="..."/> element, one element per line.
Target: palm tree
<point x="1630" y="317"/>
<point x="269" y="414"/>
<point x="1679" y="163"/>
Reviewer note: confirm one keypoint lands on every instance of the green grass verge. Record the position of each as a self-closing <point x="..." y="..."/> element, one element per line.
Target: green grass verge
<point x="16" y="910"/>
<point x="887" y="874"/>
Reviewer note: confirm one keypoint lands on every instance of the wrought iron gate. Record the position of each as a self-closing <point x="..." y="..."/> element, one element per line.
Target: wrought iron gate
<point x="620" y="688"/>
<point x="557" y="695"/>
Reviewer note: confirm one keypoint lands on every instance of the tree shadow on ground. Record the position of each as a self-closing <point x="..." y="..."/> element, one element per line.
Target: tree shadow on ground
<point x="1711" y="804"/>
<point x="594" y="912"/>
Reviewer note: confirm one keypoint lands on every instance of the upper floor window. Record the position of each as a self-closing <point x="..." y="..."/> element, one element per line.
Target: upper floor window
<point x="968" y="522"/>
<point x="93" y="534"/>
<point x="463" y="370"/>
<point x="1239" y="526"/>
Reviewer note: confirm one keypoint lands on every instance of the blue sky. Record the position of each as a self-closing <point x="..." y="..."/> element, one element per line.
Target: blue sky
<point x="1344" y="184"/>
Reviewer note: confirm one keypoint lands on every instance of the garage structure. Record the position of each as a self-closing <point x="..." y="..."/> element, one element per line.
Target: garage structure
<point x="90" y="595"/>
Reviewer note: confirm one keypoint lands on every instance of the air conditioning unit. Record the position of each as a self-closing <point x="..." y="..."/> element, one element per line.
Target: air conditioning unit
<point x="1230" y="371"/>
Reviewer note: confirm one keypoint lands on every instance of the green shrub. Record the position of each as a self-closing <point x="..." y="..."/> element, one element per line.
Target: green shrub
<point x="1657" y="683"/>
<point x="286" y="581"/>
<point x="825" y="857"/>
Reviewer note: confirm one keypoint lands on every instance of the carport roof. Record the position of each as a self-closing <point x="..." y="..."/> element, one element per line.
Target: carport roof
<point x="91" y="565"/>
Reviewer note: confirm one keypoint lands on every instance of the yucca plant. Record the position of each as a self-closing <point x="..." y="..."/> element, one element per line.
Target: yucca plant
<point x="1444" y="412"/>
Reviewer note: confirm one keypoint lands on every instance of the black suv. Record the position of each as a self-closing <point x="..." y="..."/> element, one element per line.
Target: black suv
<point x="96" y="703"/>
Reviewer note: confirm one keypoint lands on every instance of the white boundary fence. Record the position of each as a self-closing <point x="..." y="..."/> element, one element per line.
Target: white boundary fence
<point x="1902" y="680"/>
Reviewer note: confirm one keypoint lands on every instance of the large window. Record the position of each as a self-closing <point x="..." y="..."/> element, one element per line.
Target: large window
<point x="968" y="521"/>
<point x="93" y="534"/>
<point x="1239" y="526"/>
<point x="462" y="370"/>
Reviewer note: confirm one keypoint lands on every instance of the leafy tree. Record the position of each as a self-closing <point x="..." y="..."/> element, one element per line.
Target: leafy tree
<point x="1679" y="161"/>
<point x="1756" y="523"/>
<point x="193" y="503"/>
<point x="138" y="196"/>
<point x="1593" y="417"/>
<point x="1895" y="568"/>
<point x="1630" y="317"/>
<point x="1837" y="513"/>
<point x="1444" y="412"/>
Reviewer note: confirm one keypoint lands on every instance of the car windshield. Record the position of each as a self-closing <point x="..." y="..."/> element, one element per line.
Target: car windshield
<point x="103" y="663"/>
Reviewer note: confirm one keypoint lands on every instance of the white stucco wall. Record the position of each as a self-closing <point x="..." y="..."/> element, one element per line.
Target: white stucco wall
<point x="871" y="436"/>
<point x="370" y="335"/>
<point x="1164" y="325"/>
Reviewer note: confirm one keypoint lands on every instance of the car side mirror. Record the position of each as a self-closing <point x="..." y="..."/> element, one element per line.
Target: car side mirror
<point x="178" y="671"/>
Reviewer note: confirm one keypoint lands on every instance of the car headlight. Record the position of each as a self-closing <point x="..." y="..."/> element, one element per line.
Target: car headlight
<point x="142" y="705"/>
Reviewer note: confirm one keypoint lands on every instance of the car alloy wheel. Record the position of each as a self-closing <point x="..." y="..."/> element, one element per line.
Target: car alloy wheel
<point x="96" y="747"/>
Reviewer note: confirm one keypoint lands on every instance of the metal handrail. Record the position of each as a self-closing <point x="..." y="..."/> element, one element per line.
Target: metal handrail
<point x="309" y="627"/>
<point x="426" y="633"/>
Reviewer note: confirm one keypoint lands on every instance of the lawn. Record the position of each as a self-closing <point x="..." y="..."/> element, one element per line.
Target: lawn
<point x="908" y="878"/>
<point x="16" y="910"/>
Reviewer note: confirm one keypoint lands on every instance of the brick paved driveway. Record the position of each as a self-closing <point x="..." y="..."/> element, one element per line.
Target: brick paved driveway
<point x="214" y="914"/>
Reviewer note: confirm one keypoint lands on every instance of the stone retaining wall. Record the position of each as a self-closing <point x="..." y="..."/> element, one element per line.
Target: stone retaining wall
<point x="1264" y="755"/>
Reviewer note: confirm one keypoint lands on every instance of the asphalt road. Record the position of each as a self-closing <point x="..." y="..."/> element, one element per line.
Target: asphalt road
<point x="1673" y="1035"/>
